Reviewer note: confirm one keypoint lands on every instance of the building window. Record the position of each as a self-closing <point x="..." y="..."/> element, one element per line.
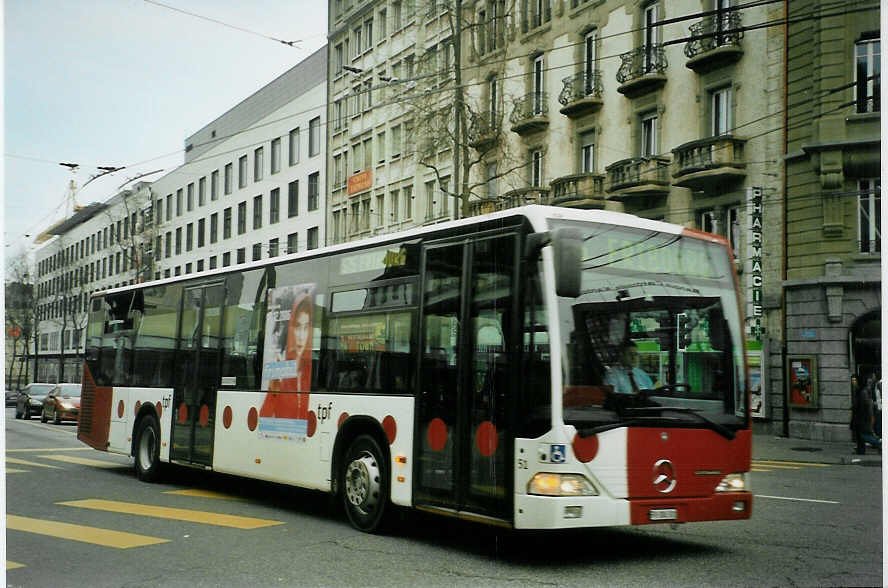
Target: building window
<point x="368" y="34"/>
<point x="275" y="155"/>
<point x="178" y="203"/>
<point x="720" y="104"/>
<point x="214" y="227"/>
<point x="536" y="168"/>
<point x="274" y="206"/>
<point x="258" y="163"/>
<point x="292" y="242"/>
<point x="178" y="241"/>
<point x="190" y="196"/>
<point x="226" y="223"/>
<point x="274" y="247"/>
<point x="868" y="70"/>
<point x="313" y="190"/>
<point x="294" y="146"/>
<point x="394" y="205"/>
<point x="168" y="244"/>
<point x="491" y="180"/>
<point x="200" y="265"/>
<point x="242" y="218"/>
<point x="649" y="134"/>
<point x="408" y="202"/>
<point x="242" y="255"/>
<point x="396" y="141"/>
<point x="587" y="152"/>
<point x="869" y="215"/>
<point x="381" y="31"/>
<point x="338" y="60"/>
<point x="538" y="82"/>
<point x="589" y="41"/>
<point x="257" y="251"/>
<point x="202" y="191"/>
<point x="189" y="236"/>
<point x="213" y="262"/>
<point x="651" y="37"/>
<point x="242" y="172"/>
<point x="492" y="101"/>
<point x="430" y="199"/>
<point x="229" y="172"/>
<point x="257" y="212"/>
<point x="226" y="259"/>
<point x="214" y="185"/>
<point x="293" y="199"/>
<point x="201" y="229"/>
<point x="314" y="136"/>
<point x="312" y="238"/>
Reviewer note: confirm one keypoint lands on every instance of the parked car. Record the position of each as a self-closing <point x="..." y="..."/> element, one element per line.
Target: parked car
<point x="62" y="403"/>
<point x="30" y="399"/>
<point x="11" y="397"/>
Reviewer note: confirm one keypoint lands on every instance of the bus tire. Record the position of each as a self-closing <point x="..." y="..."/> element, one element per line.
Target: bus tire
<point x="146" y="449"/>
<point x="365" y="484"/>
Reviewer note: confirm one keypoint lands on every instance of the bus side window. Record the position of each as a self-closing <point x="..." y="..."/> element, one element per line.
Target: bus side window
<point x="155" y="337"/>
<point x="243" y="330"/>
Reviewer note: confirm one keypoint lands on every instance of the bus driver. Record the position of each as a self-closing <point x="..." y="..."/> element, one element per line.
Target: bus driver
<point x="626" y="377"/>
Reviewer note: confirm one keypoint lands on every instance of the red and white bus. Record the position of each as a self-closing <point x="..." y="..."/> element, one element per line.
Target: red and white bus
<point x="536" y="368"/>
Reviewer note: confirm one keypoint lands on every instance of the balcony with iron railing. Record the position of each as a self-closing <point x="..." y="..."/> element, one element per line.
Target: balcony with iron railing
<point x="579" y="191"/>
<point x="530" y="114"/>
<point x="715" y="42"/>
<point x="638" y="176"/>
<point x="706" y="164"/>
<point x="581" y="93"/>
<point x="511" y="199"/>
<point x="642" y="70"/>
<point x="483" y="130"/>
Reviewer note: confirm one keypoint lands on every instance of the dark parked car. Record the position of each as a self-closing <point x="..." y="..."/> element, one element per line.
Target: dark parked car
<point x="30" y="399"/>
<point x="62" y="403"/>
<point x="11" y="397"/>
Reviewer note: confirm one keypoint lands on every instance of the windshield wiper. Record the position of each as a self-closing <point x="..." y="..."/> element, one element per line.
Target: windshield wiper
<point x="717" y="427"/>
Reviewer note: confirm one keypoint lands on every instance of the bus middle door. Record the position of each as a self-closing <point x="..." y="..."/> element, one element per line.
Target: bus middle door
<point x="199" y="365"/>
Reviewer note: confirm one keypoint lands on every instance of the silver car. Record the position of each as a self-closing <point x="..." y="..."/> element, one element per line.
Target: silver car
<point x="30" y="400"/>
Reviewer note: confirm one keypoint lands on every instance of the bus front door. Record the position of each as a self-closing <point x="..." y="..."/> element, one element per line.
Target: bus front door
<point x="198" y="363"/>
<point x="462" y="440"/>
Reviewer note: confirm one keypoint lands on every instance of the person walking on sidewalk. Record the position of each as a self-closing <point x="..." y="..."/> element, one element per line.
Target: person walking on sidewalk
<point x="862" y="418"/>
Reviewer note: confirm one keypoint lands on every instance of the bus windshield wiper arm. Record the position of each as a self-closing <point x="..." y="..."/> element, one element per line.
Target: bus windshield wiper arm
<point x="717" y="427"/>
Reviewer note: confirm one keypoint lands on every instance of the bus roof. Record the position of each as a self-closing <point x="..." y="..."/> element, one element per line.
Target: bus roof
<point x="536" y="214"/>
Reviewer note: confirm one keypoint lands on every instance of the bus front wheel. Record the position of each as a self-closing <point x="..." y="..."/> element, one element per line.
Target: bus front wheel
<point x="147" y="449"/>
<point x="365" y="484"/>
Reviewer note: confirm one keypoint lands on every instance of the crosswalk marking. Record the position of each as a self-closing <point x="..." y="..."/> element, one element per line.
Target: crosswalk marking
<point x="179" y="514"/>
<point x="25" y="462"/>
<point x="798" y="463"/>
<point x="206" y="494"/>
<point x="82" y="533"/>
<point x="11" y="565"/>
<point x="98" y="463"/>
<point x="32" y="450"/>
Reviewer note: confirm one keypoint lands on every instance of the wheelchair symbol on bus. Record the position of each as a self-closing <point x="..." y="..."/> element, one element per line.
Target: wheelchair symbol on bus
<point x="557" y="454"/>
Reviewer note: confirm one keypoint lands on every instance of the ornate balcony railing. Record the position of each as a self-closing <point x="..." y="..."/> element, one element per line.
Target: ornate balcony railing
<point x="713" y="32"/>
<point x="530" y="112"/>
<point x="512" y="199"/>
<point x="639" y="175"/>
<point x="579" y="191"/>
<point x="642" y="61"/>
<point x="704" y="163"/>
<point x="483" y="130"/>
<point x="581" y="85"/>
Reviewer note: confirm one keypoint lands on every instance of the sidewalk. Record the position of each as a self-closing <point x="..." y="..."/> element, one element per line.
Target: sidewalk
<point x="766" y="446"/>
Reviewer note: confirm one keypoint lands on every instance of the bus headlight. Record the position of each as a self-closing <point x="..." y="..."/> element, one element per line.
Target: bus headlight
<point x="548" y="484"/>
<point x="733" y="483"/>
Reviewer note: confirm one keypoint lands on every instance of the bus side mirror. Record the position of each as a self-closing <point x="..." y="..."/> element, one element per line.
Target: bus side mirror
<point x="567" y="244"/>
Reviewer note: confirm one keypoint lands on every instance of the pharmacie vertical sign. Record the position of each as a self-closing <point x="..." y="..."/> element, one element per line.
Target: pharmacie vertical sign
<point x="754" y="308"/>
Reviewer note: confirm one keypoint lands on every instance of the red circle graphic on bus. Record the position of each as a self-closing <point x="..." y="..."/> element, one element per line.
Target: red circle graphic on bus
<point x="342" y="419"/>
<point x="312" y="423"/>
<point x="159" y="409"/>
<point x="486" y="439"/>
<point x="183" y="414"/>
<point x="390" y="427"/>
<point x="585" y="448"/>
<point x="252" y="419"/>
<point x="204" y="417"/>
<point x="437" y="434"/>
<point x="138" y="406"/>
<point x="120" y="409"/>
<point x="226" y="417"/>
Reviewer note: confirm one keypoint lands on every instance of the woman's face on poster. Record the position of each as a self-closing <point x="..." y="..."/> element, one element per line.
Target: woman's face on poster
<point x="301" y="331"/>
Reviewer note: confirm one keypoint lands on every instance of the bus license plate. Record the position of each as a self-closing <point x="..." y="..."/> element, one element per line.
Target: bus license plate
<point x="663" y="514"/>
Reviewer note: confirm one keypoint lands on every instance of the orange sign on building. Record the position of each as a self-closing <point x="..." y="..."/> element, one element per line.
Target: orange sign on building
<point x="360" y="182"/>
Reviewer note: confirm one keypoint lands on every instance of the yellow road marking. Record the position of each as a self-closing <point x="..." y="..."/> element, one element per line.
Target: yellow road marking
<point x="18" y="461"/>
<point x="779" y="467"/>
<point x="11" y="565"/>
<point x="50" y="449"/>
<point x="800" y="463"/>
<point x="84" y="534"/>
<point x="206" y="494"/>
<point x="758" y="470"/>
<point x="98" y="463"/>
<point x="178" y="514"/>
<point x="14" y="471"/>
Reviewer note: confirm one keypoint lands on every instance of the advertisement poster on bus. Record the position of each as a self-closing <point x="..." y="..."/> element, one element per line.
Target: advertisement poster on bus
<point x="286" y="362"/>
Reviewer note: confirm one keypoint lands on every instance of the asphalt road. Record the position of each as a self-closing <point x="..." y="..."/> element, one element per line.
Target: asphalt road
<point x="812" y="525"/>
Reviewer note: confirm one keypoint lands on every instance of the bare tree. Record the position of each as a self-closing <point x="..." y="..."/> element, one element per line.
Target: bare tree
<point x="132" y="232"/>
<point x="19" y="319"/>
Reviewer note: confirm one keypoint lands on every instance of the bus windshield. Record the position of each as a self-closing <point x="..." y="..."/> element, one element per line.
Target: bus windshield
<point x="654" y="337"/>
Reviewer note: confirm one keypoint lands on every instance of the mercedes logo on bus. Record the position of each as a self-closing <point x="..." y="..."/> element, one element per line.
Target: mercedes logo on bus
<point x="664" y="476"/>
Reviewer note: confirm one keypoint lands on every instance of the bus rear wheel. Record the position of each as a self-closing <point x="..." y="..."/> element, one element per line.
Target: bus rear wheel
<point x="147" y="449"/>
<point x="365" y="484"/>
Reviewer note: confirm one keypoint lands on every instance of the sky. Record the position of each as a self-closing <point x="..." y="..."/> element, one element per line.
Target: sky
<point x="123" y="83"/>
